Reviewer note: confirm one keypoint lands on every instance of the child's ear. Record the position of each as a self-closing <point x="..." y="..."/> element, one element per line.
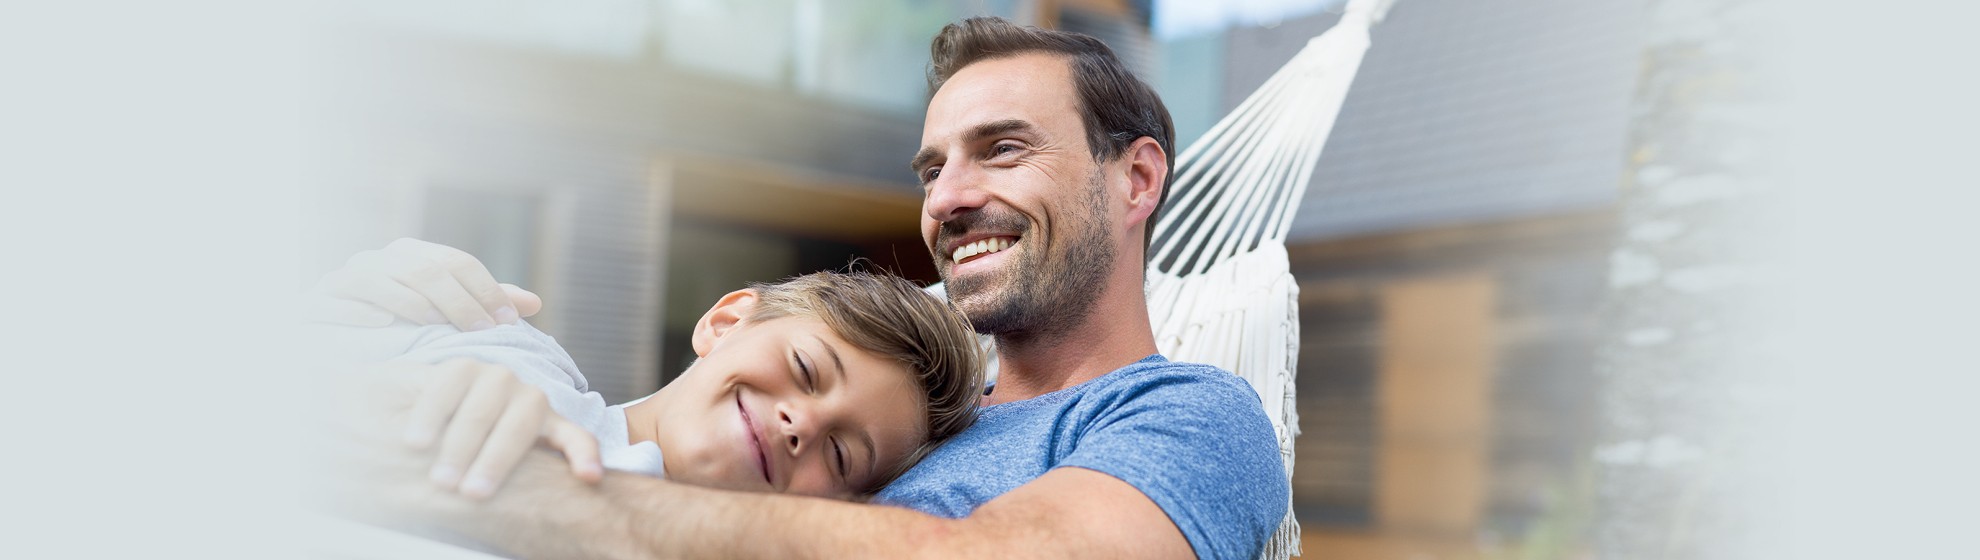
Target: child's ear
<point x="720" y="319"/>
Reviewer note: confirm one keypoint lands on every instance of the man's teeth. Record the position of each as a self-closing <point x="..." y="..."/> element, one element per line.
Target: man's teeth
<point x="982" y="246"/>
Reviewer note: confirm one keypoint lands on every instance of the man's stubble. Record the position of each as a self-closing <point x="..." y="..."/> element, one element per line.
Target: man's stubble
<point x="1041" y="296"/>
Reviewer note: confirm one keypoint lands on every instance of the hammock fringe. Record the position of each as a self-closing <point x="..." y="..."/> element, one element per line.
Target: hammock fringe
<point x="1220" y="286"/>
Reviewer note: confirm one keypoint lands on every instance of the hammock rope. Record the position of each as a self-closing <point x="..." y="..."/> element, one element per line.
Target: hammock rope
<point x="1220" y="288"/>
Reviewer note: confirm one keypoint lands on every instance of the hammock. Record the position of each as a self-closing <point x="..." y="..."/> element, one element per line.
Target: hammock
<point x="1220" y="290"/>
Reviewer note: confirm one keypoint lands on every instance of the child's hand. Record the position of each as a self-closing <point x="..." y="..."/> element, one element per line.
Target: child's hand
<point x="426" y="283"/>
<point x="490" y="420"/>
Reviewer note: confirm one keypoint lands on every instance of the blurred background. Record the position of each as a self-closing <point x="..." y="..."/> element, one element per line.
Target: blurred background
<point x="1529" y="266"/>
<point x="1624" y="279"/>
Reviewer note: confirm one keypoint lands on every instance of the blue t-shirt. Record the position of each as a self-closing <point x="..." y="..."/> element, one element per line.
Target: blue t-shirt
<point x="1193" y="438"/>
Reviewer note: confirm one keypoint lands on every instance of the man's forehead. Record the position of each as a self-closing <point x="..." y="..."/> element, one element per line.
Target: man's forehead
<point x="1032" y="87"/>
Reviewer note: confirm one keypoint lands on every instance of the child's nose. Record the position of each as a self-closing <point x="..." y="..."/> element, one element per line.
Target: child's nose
<point x="796" y="426"/>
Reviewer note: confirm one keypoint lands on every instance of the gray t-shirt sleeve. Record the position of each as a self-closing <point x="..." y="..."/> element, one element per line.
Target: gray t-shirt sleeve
<point x="1200" y="447"/>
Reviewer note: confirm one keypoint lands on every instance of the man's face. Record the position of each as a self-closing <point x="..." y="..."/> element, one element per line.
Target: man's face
<point x="785" y="405"/>
<point x="1016" y="213"/>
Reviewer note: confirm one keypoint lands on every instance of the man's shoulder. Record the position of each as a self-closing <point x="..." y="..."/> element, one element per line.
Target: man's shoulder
<point x="1176" y="391"/>
<point x="1196" y="441"/>
<point x="1158" y="374"/>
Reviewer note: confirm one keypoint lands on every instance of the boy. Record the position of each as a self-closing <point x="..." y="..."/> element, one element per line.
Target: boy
<point x="828" y="384"/>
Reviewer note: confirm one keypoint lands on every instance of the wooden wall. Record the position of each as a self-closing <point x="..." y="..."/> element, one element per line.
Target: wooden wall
<point x="1446" y="385"/>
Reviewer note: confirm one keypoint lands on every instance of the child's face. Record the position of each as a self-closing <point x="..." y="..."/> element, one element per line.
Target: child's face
<point x="785" y="405"/>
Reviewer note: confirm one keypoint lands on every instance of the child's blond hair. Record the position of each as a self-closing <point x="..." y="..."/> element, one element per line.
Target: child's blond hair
<point x="889" y="316"/>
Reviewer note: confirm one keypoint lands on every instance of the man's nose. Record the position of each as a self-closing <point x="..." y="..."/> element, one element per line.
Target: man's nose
<point x="796" y="426"/>
<point x="953" y="194"/>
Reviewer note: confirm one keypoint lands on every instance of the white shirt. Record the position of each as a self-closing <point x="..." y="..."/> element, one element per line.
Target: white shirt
<point x="535" y="358"/>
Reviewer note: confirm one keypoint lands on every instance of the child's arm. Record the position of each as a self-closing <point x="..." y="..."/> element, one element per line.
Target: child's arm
<point x="483" y="398"/>
<point x="535" y="357"/>
<point x="457" y="411"/>
<point x="483" y="420"/>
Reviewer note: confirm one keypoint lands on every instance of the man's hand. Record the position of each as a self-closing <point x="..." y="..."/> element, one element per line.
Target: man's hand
<point x="484" y="420"/>
<point x="426" y="283"/>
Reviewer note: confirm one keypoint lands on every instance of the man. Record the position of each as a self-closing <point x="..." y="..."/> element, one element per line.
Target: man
<point x="1043" y="163"/>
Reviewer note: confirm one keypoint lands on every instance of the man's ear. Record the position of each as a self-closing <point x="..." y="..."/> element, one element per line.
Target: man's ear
<point x="721" y="319"/>
<point x="1148" y="171"/>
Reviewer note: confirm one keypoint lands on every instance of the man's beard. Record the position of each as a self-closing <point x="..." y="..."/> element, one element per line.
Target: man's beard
<point x="1042" y="295"/>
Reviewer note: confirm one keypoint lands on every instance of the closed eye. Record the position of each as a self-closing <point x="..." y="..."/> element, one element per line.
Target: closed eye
<point x="804" y="373"/>
<point x="839" y="456"/>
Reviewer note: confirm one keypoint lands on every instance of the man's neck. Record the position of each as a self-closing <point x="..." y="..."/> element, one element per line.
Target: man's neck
<point x="1115" y="333"/>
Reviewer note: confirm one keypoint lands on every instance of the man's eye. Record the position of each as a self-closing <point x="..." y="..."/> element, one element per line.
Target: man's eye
<point x="1002" y="149"/>
<point x="929" y="175"/>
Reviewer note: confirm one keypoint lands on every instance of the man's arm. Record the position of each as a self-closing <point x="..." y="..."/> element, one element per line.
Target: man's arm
<point x="1067" y="513"/>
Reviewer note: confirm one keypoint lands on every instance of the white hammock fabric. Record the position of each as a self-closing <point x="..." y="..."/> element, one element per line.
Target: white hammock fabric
<point x="1220" y="290"/>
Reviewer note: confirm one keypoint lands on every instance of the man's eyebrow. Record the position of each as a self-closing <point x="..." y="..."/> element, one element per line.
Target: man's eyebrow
<point x="921" y="158"/>
<point x="994" y="128"/>
<point x="974" y="134"/>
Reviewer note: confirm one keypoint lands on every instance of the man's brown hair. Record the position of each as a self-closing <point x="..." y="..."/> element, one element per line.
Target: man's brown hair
<point x="888" y="316"/>
<point x="1116" y="107"/>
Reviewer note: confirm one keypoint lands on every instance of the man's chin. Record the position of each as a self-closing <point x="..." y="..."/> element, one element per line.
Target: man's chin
<point x="990" y="312"/>
<point x="973" y="290"/>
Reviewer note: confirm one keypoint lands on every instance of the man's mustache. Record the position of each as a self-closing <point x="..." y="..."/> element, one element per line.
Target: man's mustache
<point x="997" y="221"/>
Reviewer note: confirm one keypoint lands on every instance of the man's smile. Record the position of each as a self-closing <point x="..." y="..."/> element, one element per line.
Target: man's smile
<point x="977" y="236"/>
<point x="981" y="247"/>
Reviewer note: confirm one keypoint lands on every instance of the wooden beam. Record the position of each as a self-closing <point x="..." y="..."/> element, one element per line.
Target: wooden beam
<point x="757" y="195"/>
<point x="1434" y="399"/>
